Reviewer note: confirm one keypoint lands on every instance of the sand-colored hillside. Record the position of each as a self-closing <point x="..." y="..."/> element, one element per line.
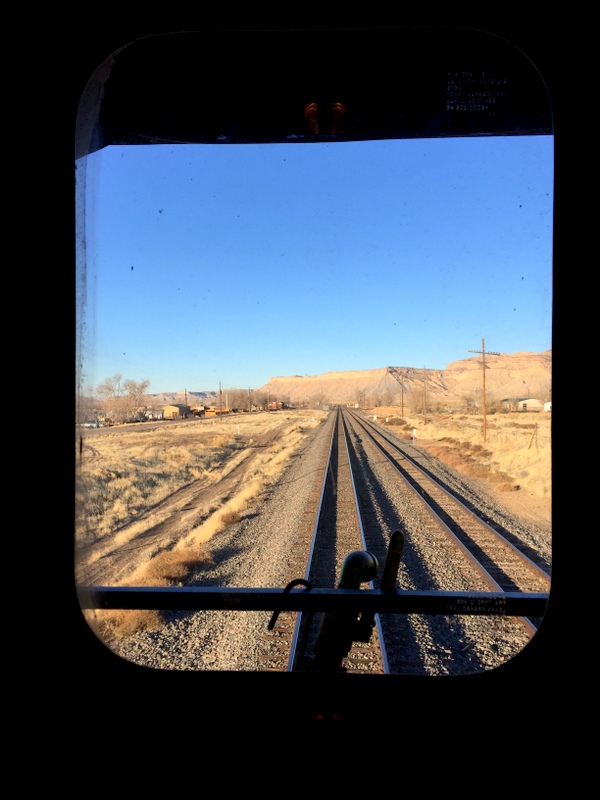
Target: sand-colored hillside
<point x="332" y="387"/>
<point x="506" y="375"/>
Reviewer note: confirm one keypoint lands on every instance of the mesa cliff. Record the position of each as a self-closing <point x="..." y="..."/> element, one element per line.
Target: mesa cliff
<point x="508" y="375"/>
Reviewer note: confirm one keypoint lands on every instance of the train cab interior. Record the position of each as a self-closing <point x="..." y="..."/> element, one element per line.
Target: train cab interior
<point x="221" y="87"/>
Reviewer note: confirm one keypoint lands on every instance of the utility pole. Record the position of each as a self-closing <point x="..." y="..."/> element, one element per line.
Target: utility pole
<point x="402" y="384"/>
<point x="220" y="401"/>
<point x="424" y="399"/>
<point x="482" y="353"/>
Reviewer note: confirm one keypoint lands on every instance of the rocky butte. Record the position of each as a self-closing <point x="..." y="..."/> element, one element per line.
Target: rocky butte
<point x="508" y="375"/>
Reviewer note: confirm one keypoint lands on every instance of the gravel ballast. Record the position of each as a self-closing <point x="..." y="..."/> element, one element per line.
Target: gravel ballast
<point x="254" y="553"/>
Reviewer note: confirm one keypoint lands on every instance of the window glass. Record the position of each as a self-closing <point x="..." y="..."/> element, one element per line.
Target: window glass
<point x="209" y="274"/>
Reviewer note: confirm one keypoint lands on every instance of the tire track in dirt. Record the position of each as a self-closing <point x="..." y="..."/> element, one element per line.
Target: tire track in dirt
<point x="108" y="563"/>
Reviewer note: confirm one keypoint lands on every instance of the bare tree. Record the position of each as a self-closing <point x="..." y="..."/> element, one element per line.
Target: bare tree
<point x="239" y="398"/>
<point x="260" y="400"/>
<point x="470" y="403"/>
<point x="121" y="400"/>
<point x="136" y="398"/>
<point x="109" y="394"/>
<point x="415" y="402"/>
<point x="360" y="398"/>
<point x="110" y="387"/>
<point x="319" y="399"/>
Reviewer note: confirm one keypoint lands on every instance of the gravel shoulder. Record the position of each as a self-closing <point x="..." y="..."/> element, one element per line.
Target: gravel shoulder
<point x="523" y="504"/>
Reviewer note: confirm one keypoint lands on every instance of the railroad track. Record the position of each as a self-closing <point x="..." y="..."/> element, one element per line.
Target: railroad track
<point x="350" y="514"/>
<point x="501" y="564"/>
<point x="373" y="516"/>
<point x="333" y="531"/>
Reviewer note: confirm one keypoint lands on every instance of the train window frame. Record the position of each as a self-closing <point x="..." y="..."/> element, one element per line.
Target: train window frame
<point x="92" y="133"/>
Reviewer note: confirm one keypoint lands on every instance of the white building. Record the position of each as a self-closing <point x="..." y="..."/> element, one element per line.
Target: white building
<point x="522" y="404"/>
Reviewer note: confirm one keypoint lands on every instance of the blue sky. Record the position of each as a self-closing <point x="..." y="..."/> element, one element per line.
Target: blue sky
<point x="232" y="264"/>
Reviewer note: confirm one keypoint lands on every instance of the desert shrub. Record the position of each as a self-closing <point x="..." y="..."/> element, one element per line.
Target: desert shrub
<point x="394" y="421"/>
<point x="127" y="622"/>
<point x="452" y="459"/>
<point x="231" y="517"/>
<point x="500" y="477"/>
<point x="474" y="470"/>
<point x="173" y="566"/>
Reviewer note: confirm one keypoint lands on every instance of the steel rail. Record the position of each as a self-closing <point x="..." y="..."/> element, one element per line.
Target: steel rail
<point x="494" y="586"/>
<point x="299" y="618"/>
<point x="377" y="620"/>
<point x="367" y="424"/>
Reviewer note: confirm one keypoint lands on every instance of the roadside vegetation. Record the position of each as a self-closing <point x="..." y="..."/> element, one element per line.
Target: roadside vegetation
<point x="516" y="454"/>
<point x="126" y="473"/>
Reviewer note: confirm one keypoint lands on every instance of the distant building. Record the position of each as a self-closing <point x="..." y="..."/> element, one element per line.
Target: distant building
<point x="177" y="411"/>
<point x="522" y="404"/>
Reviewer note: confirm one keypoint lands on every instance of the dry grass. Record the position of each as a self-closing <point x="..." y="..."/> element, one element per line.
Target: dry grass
<point x="129" y="469"/>
<point x="126" y="471"/>
<point x="517" y="452"/>
<point x="266" y="467"/>
<point x="168" y="568"/>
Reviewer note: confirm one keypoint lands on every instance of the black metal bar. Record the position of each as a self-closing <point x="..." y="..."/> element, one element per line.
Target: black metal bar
<point x="392" y="561"/>
<point x="195" y="598"/>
